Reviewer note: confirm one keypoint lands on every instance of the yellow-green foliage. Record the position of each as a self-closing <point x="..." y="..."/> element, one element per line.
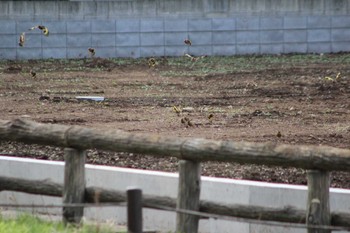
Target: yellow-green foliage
<point x="31" y="224"/>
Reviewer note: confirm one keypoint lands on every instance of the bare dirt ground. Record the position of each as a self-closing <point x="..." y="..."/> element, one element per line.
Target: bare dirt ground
<point x="251" y="98"/>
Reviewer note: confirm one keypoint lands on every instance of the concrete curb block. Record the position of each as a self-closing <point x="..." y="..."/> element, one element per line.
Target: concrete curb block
<point x="164" y="184"/>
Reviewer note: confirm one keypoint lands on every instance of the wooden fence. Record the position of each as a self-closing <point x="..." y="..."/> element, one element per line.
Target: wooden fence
<point x="318" y="160"/>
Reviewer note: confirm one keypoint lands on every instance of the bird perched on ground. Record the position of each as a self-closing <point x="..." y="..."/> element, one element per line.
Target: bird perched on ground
<point x="279" y="134"/>
<point x="210" y="117"/>
<point x="177" y="110"/>
<point x="194" y="58"/>
<point x="32" y="73"/>
<point x="191" y="57"/>
<point x="187" y="122"/>
<point x="91" y="51"/>
<point x="44" y="29"/>
<point x="188" y="42"/>
<point x="22" y="39"/>
<point x="337" y="77"/>
<point x="151" y="62"/>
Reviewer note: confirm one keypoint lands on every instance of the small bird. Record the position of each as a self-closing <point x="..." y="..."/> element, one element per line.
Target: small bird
<point x="210" y="117"/>
<point x="151" y="62"/>
<point x="22" y="39"/>
<point x="337" y="77"/>
<point x="194" y="58"/>
<point x="91" y="51"/>
<point x="44" y="29"/>
<point x="177" y="110"/>
<point x="329" y="78"/>
<point x="191" y="57"/>
<point x="187" y="122"/>
<point x="279" y="134"/>
<point x="188" y="42"/>
<point x="32" y="73"/>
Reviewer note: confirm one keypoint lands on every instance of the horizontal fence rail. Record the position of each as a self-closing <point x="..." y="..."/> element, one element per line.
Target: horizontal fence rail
<point x="286" y="214"/>
<point x="196" y="149"/>
<point x="318" y="160"/>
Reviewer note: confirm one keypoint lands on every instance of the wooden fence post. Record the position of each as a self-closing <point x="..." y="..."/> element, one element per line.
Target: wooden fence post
<point x="188" y="196"/>
<point x="134" y="199"/>
<point x="74" y="184"/>
<point x="318" y="210"/>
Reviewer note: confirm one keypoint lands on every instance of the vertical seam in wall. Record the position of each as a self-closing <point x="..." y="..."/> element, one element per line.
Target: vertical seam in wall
<point x="236" y="35"/>
<point x="259" y="34"/>
<point x="211" y="39"/>
<point x="41" y="42"/>
<point x="115" y="38"/>
<point x="140" y="29"/>
<point x="163" y="36"/>
<point x="307" y="35"/>
<point x="188" y="35"/>
<point x="16" y="35"/>
<point x="91" y="32"/>
<point x="284" y="30"/>
<point x="331" y="31"/>
<point x="65" y="24"/>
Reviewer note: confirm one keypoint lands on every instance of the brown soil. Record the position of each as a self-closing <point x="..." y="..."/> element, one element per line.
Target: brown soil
<point x="248" y="104"/>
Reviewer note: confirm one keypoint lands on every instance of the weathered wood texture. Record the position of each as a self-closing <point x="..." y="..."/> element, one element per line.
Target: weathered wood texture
<point x="318" y="210"/>
<point x="286" y="214"/>
<point x="307" y="157"/>
<point x="74" y="184"/>
<point x="188" y="195"/>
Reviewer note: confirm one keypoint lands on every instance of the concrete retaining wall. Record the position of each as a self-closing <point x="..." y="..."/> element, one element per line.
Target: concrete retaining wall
<point x="137" y="28"/>
<point x="165" y="184"/>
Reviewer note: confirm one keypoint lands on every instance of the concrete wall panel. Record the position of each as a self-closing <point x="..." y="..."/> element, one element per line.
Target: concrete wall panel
<point x="54" y="41"/>
<point x="175" y="38"/>
<point x="8" y="53"/>
<point x="302" y="25"/>
<point x="103" y="26"/>
<point x="319" y="35"/>
<point x="152" y="39"/>
<point x="103" y="40"/>
<point x="128" y="39"/>
<point x="128" y="25"/>
<point x="152" y="51"/>
<point x="223" y="24"/>
<point x="295" y="36"/>
<point x="341" y="34"/>
<point x="247" y="23"/>
<point x="271" y="36"/>
<point x="295" y="22"/>
<point x="132" y="51"/>
<point x="57" y="53"/>
<point x="248" y="49"/>
<point x="319" y="46"/>
<point x="78" y="40"/>
<point x="224" y="37"/>
<point x="272" y="23"/>
<point x="319" y="21"/>
<point x="9" y="41"/>
<point x="152" y="25"/>
<point x="224" y="50"/>
<point x="248" y="37"/>
<point x="201" y="38"/>
<point x="295" y="48"/>
<point x="271" y="48"/>
<point x="79" y="27"/>
<point x="28" y="53"/>
<point x="175" y="51"/>
<point x="175" y="25"/>
<point x="199" y="25"/>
